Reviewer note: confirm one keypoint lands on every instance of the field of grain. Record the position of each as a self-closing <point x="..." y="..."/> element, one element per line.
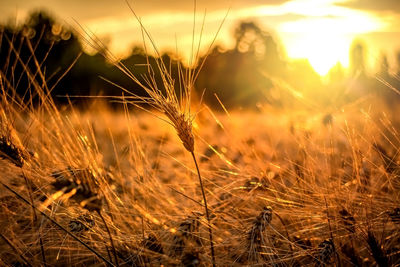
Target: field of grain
<point x="166" y="179"/>
<point x="99" y="187"/>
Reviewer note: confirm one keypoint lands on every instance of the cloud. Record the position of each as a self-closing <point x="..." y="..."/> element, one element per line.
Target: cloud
<point x="373" y="5"/>
<point x="93" y="9"/>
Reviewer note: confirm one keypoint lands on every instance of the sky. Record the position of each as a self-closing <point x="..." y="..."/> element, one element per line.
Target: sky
<point x="321" y="31"/>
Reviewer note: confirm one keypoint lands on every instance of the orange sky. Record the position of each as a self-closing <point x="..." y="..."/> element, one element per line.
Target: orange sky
<point x="319" y="30"/>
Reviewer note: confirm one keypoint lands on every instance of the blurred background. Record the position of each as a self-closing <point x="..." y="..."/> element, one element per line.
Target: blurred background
<point x="283" y="53"/>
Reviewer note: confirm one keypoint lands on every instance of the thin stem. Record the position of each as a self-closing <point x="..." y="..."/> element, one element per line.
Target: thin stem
<point x="284" y="226"/>
<point x="35" y="219"/>
<point x="337" y="260"/>
<point x="109" y="234"/>
<point x="59" y="225"/>
<point x="206" y="208"/>
<point x="15" y="250"/>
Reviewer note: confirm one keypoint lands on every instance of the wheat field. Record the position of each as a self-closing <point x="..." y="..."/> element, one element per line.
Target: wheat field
<point x="283" y="189"/>
<point x="96" y="186"/>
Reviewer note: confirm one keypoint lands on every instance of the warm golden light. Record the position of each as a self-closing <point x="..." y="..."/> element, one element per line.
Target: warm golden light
<point x="322" y="50"/>
<point x="318" y="30"/>
<point x="324" y="41"/>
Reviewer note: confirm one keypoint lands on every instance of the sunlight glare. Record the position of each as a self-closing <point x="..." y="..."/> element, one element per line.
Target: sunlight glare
<point x="325" y="41"/>
<point x="322" y="50"/>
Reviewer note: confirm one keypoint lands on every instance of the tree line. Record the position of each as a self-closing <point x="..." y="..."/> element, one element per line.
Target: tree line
<point x="254" y="71"/>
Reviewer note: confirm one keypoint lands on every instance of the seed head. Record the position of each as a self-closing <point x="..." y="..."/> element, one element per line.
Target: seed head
<point x="260" y="223"/>
<point x="325" y="251"/>
<point x="182" y="124"/>
<point x="10" y="150"/>
<point x="81" y="183"/>
<point x="186" y="234"/>
<point x="81" y="224"/>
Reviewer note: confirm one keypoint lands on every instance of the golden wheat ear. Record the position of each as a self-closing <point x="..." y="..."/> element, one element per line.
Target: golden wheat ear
<point x="326" y="249"/>
<point x="9" y="150"/>
<point x="182" y="125"/>
<point x="75" y="183"/>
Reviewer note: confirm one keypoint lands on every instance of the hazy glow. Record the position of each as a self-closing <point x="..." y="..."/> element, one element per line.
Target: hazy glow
<point x="322" y="50"/>
<point x="319" y="30"/>
<point x="324" y="41"/>
<point x="170" y="32"/>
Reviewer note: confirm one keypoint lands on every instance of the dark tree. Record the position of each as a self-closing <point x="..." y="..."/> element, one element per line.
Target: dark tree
<point x="357" y="59"/>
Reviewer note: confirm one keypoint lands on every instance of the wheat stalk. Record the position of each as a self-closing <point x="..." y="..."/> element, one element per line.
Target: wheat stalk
<point x="57" y="224"/>
<point x="165" y="99"/>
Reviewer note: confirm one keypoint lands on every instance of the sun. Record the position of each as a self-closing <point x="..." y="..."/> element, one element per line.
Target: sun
<point x="325" y="41"/>
<point x="323" y="51"/>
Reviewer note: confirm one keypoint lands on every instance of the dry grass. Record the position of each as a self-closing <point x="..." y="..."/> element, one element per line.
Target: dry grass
<point x="152" y="203"/>
<point x="284" y="188"/>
